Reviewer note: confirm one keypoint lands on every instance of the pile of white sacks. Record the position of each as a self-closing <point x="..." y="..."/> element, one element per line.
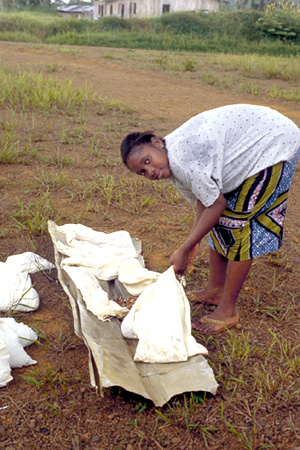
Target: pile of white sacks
<point x="160" y="318"/>
<point x="17" y="294"/>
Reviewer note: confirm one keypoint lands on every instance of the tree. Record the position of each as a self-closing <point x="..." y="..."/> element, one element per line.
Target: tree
<point x="28" y="3"/>
<point x="7" y="4"/>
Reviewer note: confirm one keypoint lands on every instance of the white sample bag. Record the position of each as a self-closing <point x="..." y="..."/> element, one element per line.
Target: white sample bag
<point x="17" y="292"/>
<point x="160" y="319"/>
<point x="5" y="371"/>
<point x="135" y="277"/>
<point x="14" y="337"/>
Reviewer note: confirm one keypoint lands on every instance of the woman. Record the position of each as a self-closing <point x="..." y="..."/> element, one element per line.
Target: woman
<point x="237" y="163"/>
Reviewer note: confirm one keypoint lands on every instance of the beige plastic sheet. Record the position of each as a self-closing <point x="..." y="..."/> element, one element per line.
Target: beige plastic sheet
<point x="111" y="355"/>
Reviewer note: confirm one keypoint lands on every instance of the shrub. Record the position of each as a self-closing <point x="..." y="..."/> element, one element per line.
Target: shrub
<point x="281" y="21"/>
<point x="18" y="23"/>
<point x="235" y="23"/>
<point x="240" y="23"/>
<point x="178" y="23"/>
<point x="67" y="26"/>
<point x="111" y="23"/>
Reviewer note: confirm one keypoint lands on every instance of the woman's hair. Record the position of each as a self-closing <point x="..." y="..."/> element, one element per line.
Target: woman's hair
<point x="132" y="140"/>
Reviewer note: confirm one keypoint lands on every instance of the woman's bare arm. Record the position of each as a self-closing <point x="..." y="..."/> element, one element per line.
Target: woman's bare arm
<point x="206" y="218"/>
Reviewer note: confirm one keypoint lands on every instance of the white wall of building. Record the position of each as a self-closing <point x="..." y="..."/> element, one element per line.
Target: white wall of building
<point x="149" y="8"/>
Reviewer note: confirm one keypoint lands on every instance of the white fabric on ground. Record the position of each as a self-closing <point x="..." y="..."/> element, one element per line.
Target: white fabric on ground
<point x="13" y="338"/>
<point x="93" y="256"/>
<point x="17" y="292"/>
<point x="160" y="319"/>
<point x="101" y="253"/>
<point x="135" y="277"/>
<point x="95" y="298"/>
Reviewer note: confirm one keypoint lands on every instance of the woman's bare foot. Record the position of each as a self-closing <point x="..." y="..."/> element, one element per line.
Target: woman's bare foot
<point x="209" y="296"/>
<point x="214" y="323"/>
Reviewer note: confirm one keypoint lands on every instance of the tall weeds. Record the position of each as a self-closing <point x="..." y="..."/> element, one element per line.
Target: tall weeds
<point x="245" y="31"/>
<point x="32" y="91"/>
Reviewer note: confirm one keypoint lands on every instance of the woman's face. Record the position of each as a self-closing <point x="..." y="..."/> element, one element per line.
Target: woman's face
<point x="150" y="160"/>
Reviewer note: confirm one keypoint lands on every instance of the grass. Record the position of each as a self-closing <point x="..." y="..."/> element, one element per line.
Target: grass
<point x="243" y="71"/>
<point x="250" y="65"/>
<point x="256" y="66"/>
<point x="239" y="73"/>
<point x="58" y="160"/>
<point x="25" y="91"/>
<point x="19" y="36"/>
<point x="49" y="380"/>
<point x="74" y="135"/>
<point x="216" y="80"/>
<point x="50" y="68"/>
<point x="47" y="181"/>
<point x="9" y="145"/>
<point x="30" y="102"/>
<point x="11" y="151"/>
<point x="33" y="215"/>
<point x="284" y="94"/>
<point x="130" y="195"/>
<point x="171" y="42"/>
<point x="60" y="342"/>
<point x="182" y="415"/>
<point x="166" y="191"/>
<point x="249" y="73"/>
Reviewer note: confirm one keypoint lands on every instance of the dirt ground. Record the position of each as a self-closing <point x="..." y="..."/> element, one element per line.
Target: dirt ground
<point x="59" y="409"/>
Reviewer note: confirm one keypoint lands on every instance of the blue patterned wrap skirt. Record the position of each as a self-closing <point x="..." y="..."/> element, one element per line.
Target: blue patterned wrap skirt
<point x="252" y="223"/>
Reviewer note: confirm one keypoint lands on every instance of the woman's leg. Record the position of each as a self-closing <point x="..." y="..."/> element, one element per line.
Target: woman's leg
<point x="226" y="312"/>
<point x="216" y="281"/>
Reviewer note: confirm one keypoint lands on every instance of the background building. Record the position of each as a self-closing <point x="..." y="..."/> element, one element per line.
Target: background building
<point x="149" y="8"/>
<point x="78" y="11"/>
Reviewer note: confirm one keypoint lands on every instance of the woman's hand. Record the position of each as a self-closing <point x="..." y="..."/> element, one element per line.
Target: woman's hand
<point x="182" y="258"/>
<point x="179" y="260"/>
